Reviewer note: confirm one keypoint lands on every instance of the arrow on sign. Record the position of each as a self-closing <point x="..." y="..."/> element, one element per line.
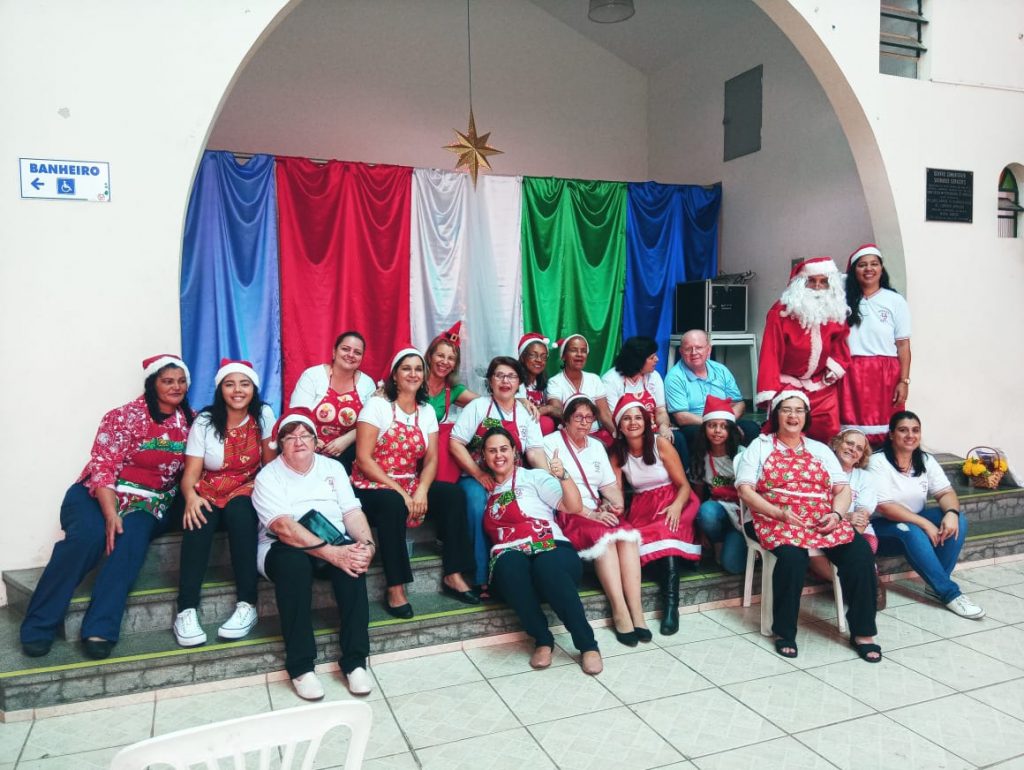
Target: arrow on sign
<point x="36" y="183"/>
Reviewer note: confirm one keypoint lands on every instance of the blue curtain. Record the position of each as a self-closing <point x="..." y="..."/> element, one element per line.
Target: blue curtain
<point x="671" y="237"/>
<point x="230" y="293"/>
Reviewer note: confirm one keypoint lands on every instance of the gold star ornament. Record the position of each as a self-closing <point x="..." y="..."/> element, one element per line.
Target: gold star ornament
<point x="472" y="149"/>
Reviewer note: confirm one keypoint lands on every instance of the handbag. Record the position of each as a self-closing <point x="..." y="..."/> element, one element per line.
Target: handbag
<point x="324" y="528"/>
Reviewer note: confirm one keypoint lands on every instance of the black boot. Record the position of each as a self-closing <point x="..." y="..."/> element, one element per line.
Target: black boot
<point x="670" y="596"/>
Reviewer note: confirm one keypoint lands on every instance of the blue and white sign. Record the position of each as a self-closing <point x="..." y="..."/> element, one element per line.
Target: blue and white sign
<point x="69" y="180"/>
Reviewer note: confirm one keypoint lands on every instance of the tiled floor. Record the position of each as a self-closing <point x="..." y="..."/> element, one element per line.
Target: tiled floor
<point x="949" y="694"/>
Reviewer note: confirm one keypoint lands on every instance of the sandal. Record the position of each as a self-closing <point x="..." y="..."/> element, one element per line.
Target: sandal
<point x="785" y="648"/>
<point x="864" y="649"/>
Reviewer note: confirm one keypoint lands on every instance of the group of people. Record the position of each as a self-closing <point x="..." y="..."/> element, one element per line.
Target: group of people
<point x="522" y="484"/>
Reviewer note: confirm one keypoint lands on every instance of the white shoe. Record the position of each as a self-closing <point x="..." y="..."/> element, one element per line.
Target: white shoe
<point x="308" y="687"/>
<point x="187" y="630"/>
<point x="359" y="682"/>
<point x="240" y="623"/>
<point x="965" y="608"/>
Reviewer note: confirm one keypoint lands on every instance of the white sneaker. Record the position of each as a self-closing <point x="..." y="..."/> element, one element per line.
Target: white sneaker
<point x="187" y="630"/>
<point x="359" y="682"/>
<point x="240" y="623"/>
<point x="308" y="686"/>
<point x="965" y="608"/>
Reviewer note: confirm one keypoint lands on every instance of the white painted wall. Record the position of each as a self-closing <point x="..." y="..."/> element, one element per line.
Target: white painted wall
<point x="386" y="82"/>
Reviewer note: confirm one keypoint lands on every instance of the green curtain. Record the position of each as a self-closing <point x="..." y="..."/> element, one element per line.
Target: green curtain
<point x="574" y="263"/>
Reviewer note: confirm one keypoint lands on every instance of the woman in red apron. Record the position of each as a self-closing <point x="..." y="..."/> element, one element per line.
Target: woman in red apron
<point x="123" y="498"/>
<point x="394" y="479"/>
<point x="573" y="381"/>
<point x="444" y="394"/>
<point x="634" y="375"/>
<point x="335" y="393"/>
<point x="533" y="358"/>
<point x="795" y="490"/>
<point x="531" y="560"/>
<point x="226" y="447"/>
<point x="663" y="507"/>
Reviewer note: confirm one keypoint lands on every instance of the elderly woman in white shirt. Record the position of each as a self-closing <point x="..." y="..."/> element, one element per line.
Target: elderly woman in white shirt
<point x="299" y="490"/>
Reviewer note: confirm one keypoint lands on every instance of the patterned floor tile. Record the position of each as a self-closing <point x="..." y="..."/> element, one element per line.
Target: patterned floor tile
<point x="818" y="644"/>
<point x="450" y="714"/>
<point x="552" y="694"/>
<point x="938" y="620"/>
<point x="282" y="693"/>
<point x="404" y="761"/>
<point x="608" y="739"/>
<point x="954" y="665"/>
<point x="879" y="743"/>
<point x="995" y="576"/>
<point x="1017" y="589"/>
<point x="12" y="738"/>
<point x="972" y="730"/>
<point x="739" y="620"/>
<point x="194" y="710"/>
<point x="781" y="753"/>
<point x="89" y="760"/>
<point x="386" y="740"/>
<point x="705" y="722"/>
<point x="606" y="641"/>
<point x="882" y="685"/>
<point x="693" y="627"/>
<point x="514" y="658"/>
<point x="917" y="589"/>
<point x="1017" y="763"/>
<point x="894" y="634"/>
<point x="649" y="675"/>
<point x="1004" y="644"/>
<point x="430" y="672"/>
<point x="78" y="733"/>
<point x="1008" y="697"/>
<point x="819" y="606"/>
<point x="796" y="701"/>
<point x="507" y="750"/>
<point x="1001" y="605"/>
<point x="730" y="660"/>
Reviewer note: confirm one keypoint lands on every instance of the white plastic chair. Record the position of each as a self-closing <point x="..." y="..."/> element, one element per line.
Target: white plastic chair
<point x="755" y="549"/>
<point x="215" y="745"/>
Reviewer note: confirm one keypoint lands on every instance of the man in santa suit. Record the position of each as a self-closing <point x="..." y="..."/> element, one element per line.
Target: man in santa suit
<point x="805" y="343"/>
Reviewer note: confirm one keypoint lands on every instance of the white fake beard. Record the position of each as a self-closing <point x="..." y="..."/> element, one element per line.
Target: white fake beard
<point x="814" y="308"/>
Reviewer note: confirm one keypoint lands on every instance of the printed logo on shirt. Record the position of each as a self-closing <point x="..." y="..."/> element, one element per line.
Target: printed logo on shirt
<point x="330" y="483"/>
<point x="597" y="466"/>
<point x="883" y="315"/>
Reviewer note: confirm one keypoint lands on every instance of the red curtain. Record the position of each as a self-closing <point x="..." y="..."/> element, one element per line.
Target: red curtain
<point x="344" y="245"/>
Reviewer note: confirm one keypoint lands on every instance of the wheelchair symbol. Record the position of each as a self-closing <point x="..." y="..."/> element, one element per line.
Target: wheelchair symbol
<point x="65" y="186"/>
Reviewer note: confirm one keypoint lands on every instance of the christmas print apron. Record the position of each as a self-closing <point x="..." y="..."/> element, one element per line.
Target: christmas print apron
<point x="237" y="475"/>
<point x="336" y="414"/>
<point x="512" y="530"/>
<point x="398" y="452"/>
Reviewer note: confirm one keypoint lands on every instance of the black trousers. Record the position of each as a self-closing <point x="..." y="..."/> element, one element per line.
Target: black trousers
<point x="239" y="519"/>
<point x="446" y="508"/>
<point x="292" y="572"/>
<point x="553" y="576"/>
<point x="856" y="566"/>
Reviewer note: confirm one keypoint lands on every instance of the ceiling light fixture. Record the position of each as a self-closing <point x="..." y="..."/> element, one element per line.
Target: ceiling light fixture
<point x="610" y="11"/>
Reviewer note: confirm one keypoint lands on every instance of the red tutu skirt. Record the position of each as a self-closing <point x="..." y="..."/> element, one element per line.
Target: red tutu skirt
<point x="657" y="540"/>
<point x="591" y="538"/>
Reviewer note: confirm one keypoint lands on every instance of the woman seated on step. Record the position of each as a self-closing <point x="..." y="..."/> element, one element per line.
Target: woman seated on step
<point x="228" y="444"/>
<point x="311" y="526"/>
<point x="795" y="489"/>
<point x="598" y="530"/>
<point x="533" y="358"/>
<point x="573" y="381"/>
<point x="930" y="538"/>
<point x="396" y="461"/>
<point x="532" y="561"/>
<point x="663" y="507"/>
<point x="125" y="496"/>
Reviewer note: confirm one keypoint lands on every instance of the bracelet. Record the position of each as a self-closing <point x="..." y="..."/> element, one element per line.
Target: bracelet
<point x="321" y="544"/>
<point x="952" y="510"/>
<point x="564" y="476"/>
<point x="371" y="544"/>
<point x="905" y="380"/>
<point x="837" y="513"/>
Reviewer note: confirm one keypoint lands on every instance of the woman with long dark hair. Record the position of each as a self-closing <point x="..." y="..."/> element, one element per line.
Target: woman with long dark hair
<point x="228" y="444"/>
<point x="533" y="358"/>
<point x="123" y="498"/>
<point x="633" y="374"/>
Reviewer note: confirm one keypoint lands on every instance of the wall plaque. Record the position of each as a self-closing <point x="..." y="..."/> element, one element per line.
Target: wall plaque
<point x="949" y="195"/>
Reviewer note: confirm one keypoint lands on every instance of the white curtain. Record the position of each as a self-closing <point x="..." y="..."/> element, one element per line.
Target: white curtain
<point x="466" y="265"/>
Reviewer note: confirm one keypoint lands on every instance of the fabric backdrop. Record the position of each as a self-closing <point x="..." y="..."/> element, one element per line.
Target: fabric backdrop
<point x="229" y="282"/>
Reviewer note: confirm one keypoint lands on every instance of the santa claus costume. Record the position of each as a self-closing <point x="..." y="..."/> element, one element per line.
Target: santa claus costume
<point x="805" y="345"/>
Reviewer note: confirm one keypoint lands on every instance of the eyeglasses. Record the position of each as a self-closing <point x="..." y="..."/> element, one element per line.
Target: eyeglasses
<point x="583" y="419"/>
<point x="305" y="438"/>
<point x="537" y="356"/>
<point x="792" y="410"/>
<point x="503" y="377"/>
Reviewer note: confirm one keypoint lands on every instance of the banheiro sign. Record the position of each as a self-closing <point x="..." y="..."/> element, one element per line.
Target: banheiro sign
<point x="72" y="180"/>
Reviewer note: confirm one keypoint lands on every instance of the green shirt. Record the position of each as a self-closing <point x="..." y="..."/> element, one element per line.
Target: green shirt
<point x="438" y="401"/>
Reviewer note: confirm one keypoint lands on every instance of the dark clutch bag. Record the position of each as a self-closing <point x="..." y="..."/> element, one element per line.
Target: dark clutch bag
<point x="323" y="528"/>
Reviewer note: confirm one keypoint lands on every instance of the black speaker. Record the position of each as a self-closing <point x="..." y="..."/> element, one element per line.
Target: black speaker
<point x="713" y="307"/>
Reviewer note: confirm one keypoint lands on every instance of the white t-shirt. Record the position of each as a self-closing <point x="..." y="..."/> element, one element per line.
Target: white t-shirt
<point x="862" y="488"/>
<point x="314" y="382"/>
<point x="280" y="491"/>
<point x="592" y="387"/>
<point x="885" y="318"/>
<point x="538" y="494"/>
<point x="909" y="491"/>
<point x="616" y="387"/>
<point x="203" y="441"/>
<point x="750" y="462"/>
<point x="475" y="411"/>
<point x="377" y="412"/>
<point x="593" y="460"/>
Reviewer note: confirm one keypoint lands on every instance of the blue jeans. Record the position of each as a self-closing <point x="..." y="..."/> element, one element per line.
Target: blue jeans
<point x="476" y="503"/>
<point x="933" y="564"/>
<point x="714" y="522"/>
<point x="74" y="556"/>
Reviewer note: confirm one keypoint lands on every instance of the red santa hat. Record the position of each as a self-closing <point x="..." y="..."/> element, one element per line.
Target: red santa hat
<point x="229" y="366"/>
<point x="626" y="403"/>
<point x="154" y="364"/>
<point x="862" y="251"/>
<point x="782" y="395"/>
<point x="813" y="266"/>
<point x="528" y="339"/>
<point x="407" y="351"/>
<point x="564" y="342"/>
<point x="293" y="414"/>
<point x="452" y="335"/>
<point x="718" y="409"/>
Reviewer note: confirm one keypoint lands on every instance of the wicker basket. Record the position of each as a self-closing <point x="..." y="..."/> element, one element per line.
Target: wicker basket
<point x="990" y="458"/>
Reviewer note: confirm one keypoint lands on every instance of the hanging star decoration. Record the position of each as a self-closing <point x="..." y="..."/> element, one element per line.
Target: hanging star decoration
<point x="472" y="149"/>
